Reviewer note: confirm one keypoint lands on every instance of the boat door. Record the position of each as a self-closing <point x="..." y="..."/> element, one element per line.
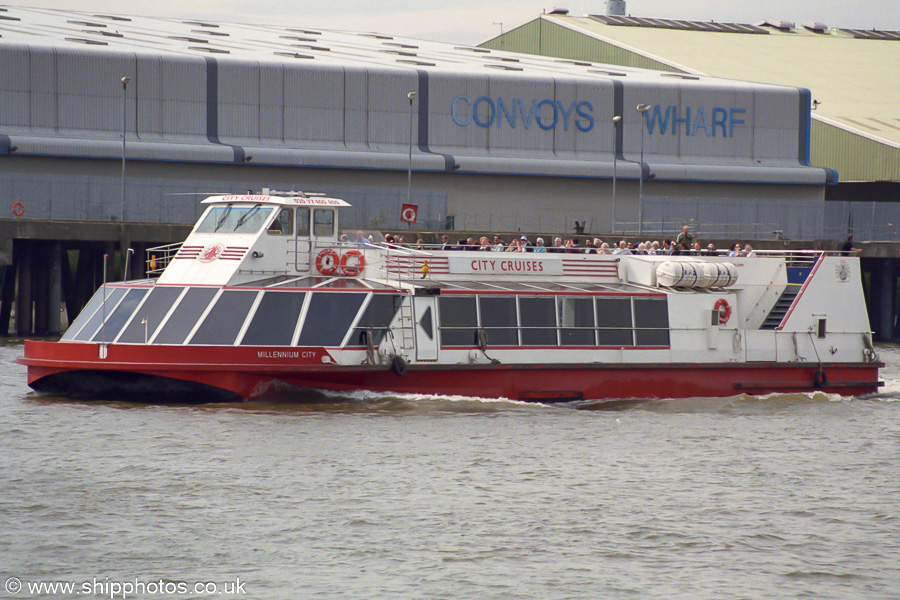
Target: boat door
<point x="302" y="244"/>
<point x="425" y="318"/>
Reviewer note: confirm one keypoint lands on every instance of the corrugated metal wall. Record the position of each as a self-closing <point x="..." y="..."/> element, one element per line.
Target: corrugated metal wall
<point x="855" y="157"/>
<point x="553" y="40"/>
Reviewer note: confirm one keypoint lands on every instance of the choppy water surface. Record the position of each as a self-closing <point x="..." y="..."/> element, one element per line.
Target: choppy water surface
<point x="380" y="497"/>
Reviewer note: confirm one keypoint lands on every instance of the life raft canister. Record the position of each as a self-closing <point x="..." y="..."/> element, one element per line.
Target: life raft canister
<point x="723" y="309"/>
<point x="350" y="269"/>
<point x="327" y="262"/>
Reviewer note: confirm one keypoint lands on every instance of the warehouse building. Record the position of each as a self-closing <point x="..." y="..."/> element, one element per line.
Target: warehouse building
<point x="851" y="73"/>
<point x="476" y="138"/>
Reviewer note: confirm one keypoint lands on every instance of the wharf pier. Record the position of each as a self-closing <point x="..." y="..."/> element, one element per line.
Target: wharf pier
<point x="50" y="269"/>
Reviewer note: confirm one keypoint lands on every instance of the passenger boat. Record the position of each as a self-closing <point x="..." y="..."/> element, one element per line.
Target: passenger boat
<point x="262" y="296"/>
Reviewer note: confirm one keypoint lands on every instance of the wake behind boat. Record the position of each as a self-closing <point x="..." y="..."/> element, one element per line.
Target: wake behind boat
<point x="262" y="295"/>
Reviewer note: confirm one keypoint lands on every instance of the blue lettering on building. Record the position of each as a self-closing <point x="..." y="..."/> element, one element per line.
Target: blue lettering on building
<point x="548" y="114"/>
<point x="669" y="119"/>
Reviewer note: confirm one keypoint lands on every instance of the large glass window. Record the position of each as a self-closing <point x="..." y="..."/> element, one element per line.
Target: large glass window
<point x="283" y="223"/>
<point x="329" y="317"/>
<point x="459" y="321"/>
<point x="85" y="315"/>
<point x="224" y="321"/>
<point x="303" y="222"/>
<point x="377" y="317"/>
<point x="651" y="321"/>
<point x="576" y="321"/>
<point x="120" y="316"/>
<point x="185" y="315"/>
<point x="614" y="322"/>
<point x="113" y="296"/>
<point x="323" y="225"/>
<point x="154" y="309"/>
<point x="538" y="321"/>
<point x="498" y="319"/>
<point x="231" y="219"/>
<point x="275" y="319"/>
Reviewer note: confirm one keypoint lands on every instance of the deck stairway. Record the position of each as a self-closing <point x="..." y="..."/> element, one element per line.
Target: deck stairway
<point x="776" y="315"/>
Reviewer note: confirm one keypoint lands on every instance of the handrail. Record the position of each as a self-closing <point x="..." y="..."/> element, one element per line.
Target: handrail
<point x="159" y="257"/>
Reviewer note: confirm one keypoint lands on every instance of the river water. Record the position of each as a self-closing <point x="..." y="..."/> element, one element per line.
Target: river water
<point x="415" y="497"/>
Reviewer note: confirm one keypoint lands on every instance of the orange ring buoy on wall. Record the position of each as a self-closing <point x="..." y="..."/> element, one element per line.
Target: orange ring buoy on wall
<point x="351" y="270"/>
<point x="724" y="310"/>
<point x="327" y="262"/>
<point x="18" y="208"/>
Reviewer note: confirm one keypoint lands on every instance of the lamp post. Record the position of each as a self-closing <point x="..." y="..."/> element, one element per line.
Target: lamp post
<point x="410" y="96"/>
<point x="641" y="108"/>
<point x="125" y="81"/>
<point x="616" y="121"/>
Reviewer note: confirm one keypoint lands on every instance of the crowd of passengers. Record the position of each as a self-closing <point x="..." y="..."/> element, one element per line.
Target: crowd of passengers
<point x="684" y="244"/>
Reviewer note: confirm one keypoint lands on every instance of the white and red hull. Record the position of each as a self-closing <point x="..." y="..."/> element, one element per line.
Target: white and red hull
<point x="215" y="373"/>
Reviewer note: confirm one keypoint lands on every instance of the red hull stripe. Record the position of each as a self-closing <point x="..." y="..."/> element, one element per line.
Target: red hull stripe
<point x="250" y="371"/>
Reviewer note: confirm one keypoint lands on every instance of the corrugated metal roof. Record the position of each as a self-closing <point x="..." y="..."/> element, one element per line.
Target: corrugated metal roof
<point x="264" y="43"/>
<point x="852" y="74"/>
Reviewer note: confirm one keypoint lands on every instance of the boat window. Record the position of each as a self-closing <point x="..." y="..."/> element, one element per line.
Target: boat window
<point x="576" y="320"/>
<point x="113" y="296"/>
<point x="185" y="315"/>
<point x="459" y="321"/>
<point x="498" y="319"/>
<point x="85" y="315"/>
<point x="651" y="321"/>
<point x="538" y="321"/>
<point x="323" y="222"/>
<point x="154" y="310"/>
<point x="234" y="219"/>
<point x="377" y="317"/>
<point x="328" y="318"/>
<point x="226" y="318"/>
<point x="303" y="222"/>
<point x="117" y="319"/>
<point x="275" y="319"/>
<point x="283" y="223"/>
<point x="614" y="322"/>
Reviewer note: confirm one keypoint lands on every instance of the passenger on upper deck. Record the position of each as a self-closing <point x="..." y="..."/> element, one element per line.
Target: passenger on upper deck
<point x="847" y="247"/>
<point x="361" y="242"/>
<point x="736" y="250"/>
<point x="622" y="249"/>
<point x="445" y="242"/>
<point x="498" y="244"/>
<point x="539" y="245"/>
<point x="685" y="236"/>
<point x="557" y="246"/>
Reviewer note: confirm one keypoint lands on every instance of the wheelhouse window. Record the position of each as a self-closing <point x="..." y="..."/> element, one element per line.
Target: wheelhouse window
<point x="283" y="223"/>
<point x="303" y="222"/>
<point x="234" y="219"/>
<point x="323" y="222"/>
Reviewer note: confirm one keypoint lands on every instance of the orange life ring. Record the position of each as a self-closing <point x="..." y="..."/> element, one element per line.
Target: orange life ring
<point x="351" y="270"/>
<point x="724" y="311"/>
<point x="18" y="208"/>
<point x="327" y="262"/>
